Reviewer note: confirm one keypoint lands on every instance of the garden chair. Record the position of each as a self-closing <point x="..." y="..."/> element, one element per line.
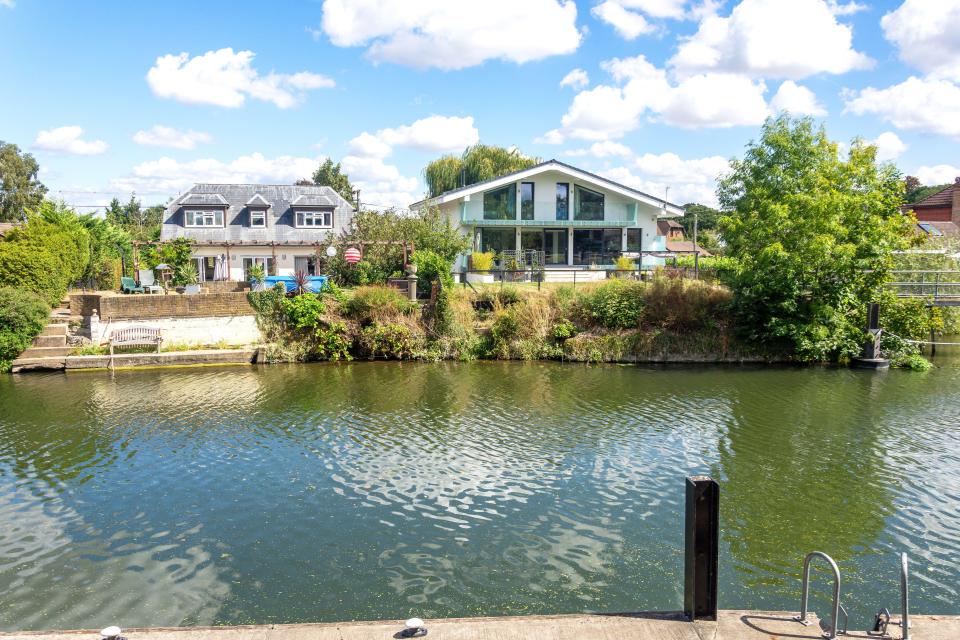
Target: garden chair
<point x="129" y="285"/>
<point x="148" y="282"/>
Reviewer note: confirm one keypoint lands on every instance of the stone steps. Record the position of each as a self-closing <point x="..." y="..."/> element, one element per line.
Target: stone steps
<point x="50" y="341"/>
<point x="54" y="329"/>
<point x="47" y="352"/>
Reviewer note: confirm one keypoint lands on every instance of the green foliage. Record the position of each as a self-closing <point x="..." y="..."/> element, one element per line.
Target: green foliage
<point x="812" y="235"/>
<point x="257" y="273"/>
<point x="482" y="261"/>
<point x="23" y="315"/>
<point x="564" y="330"/>
<point x="623" y="263"/>
<point x="140" y="223"/>
<point x="684" y="306"/>
<point x="56" y="229"/>
<point x="616" y="304"/>
<point x="477" y="163"/>
<point x="394" y="341"/>
<point x="915" y="191"/>
<point x="333" y="342"/>
<point x="432" y="267"/>
<point x="34" y="269"/>
<point x="329" y="174"/>
<point x="186" y="273"/>
<point x="332" y="290"/>
<point x="177" y="253"/>
<point x="372" y="303"/>
<point x="20" y="191"/>
<point x="304" y="312"/>
<point x="708" y="219"/>
<point x="110" y="247"/>
<point x="913" y="361"/>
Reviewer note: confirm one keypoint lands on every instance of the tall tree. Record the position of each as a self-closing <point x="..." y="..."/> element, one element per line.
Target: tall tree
<point x="331" y="175"/>
<point x="477" y="163"/>
<point x="707" y="218"/>
<point x="20" y="190"/>
<point x="812" y="234"/>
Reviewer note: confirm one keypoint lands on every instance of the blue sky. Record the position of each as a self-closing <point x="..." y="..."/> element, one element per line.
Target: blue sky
<point x="118" y="96"/>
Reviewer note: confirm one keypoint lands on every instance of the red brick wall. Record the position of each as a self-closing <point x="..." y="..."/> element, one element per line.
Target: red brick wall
<point x="934" y="214"/>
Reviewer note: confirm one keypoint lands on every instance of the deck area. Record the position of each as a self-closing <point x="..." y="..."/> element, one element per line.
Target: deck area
<point x="732" y="625"/>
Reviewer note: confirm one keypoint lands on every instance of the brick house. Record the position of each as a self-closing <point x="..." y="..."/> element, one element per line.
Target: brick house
<point x="939" y="214"/>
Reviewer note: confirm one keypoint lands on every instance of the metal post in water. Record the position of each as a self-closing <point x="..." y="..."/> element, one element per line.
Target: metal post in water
<point x="904" y="598"/>
<point x="701" y="548"/>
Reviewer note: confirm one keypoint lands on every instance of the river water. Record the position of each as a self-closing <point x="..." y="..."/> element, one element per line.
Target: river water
<point x="382" y="490"/>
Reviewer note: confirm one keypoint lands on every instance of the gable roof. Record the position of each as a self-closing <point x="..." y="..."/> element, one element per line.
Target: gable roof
<point x="312" y="200"/>
<point x="257" y="201"/>
<point x="204" y="199"/>
<point x="942" y="198"/>
<point x="554" y="165"/>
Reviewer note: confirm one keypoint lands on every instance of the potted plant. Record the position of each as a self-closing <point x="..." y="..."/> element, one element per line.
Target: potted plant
<point x="187" y="276"/>
<point x="258" y="276"/>
<point x="482" y="262"/>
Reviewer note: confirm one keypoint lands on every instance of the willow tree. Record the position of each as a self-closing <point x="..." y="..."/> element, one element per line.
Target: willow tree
<point x="476" y="164"/>
<point x="812" y="231"/>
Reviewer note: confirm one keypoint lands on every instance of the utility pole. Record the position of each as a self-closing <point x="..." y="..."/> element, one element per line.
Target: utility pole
<point x="696" y="248"/>
<point x="356" y="194"/>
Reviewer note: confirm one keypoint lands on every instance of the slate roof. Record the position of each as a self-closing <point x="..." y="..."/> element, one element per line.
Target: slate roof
<point x="280" y="215"/>
<point x="942" y="198"/>
<point x="204" y="199"/>
<point x="257" y="201"/>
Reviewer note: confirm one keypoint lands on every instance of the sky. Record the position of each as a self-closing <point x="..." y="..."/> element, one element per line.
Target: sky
<point x="151" y="97"/>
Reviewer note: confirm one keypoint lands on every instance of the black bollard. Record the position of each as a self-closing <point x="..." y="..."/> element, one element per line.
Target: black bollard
<point x="701" y="548"/>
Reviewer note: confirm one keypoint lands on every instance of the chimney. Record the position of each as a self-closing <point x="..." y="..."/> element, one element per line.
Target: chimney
<point x="955" y="210"/>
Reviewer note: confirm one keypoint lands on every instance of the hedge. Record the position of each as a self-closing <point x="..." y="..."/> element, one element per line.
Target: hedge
<point x="22" y="316"/>
<point x="32" y="268"/>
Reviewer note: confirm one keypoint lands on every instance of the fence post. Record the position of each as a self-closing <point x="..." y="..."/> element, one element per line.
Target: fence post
<point x="701" y="548"/>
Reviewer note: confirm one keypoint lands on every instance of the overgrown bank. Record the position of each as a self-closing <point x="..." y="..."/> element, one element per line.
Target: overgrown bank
<point x="620" y="320"/>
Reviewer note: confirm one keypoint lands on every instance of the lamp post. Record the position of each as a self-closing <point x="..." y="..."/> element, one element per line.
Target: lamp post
<point x="696" y="248"/>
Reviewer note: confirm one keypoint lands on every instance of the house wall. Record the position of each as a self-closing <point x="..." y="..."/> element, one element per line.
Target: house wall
<point x="285" y="256"/>
<point x="934" y="214"/>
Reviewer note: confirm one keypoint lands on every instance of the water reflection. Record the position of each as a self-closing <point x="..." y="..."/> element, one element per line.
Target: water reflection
<point x="378" y="490"/>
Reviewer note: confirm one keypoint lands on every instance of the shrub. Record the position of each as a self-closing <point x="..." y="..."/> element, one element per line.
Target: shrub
<point x="482" y="261"/>
<point x="23" y="315"/>
<point x="623" y="263"/>
<point x="333" y="342"/>
<point x="32" y="268"/>
<point x="432" y="267"/>
<point x="616" y="304"/>
<point x="378" y="304"/>
<point x="303" y="312"/>
<point x="396" y="341"/>
<point x="685" y="305"/>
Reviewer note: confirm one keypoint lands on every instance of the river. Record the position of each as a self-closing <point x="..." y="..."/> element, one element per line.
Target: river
<point x="289" y="493"/>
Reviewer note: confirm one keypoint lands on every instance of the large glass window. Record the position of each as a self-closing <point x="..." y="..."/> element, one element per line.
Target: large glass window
<point x="266" y="262"/>
<point x="596" y="246"/>
<point x="589" y="205"/>
<point x="306" y="264"/>
<point x="498" y="240"/>
<point x="500" y="204"/>
<point x="563" y="201"/>
<point x="555" y="246"/>
<point x="633" y="240"/>
<point x="204" y="218"/>
<point x="315" y="219"/>
<point x="526" y="201"/>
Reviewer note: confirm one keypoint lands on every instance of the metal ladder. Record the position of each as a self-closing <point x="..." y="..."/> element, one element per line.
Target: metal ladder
<point x="883" y="616"/>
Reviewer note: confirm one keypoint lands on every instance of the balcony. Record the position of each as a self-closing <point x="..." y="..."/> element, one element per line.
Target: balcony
<point x="473" y="216"/>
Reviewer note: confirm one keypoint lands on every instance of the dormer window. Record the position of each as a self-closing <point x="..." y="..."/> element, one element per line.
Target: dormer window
<point x="258" y="218"/>
<point x="311" y="219"/>
<point x="204" y="217"/>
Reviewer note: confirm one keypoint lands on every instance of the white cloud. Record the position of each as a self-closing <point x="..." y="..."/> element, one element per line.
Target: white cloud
<point x="453" y="35"/>
<point x="889" y="146"/>
<point x="434" y="134"/>
<point x="226" y="79"/>
<point x="916" y="104"/>
<point x="6" y="3"/>
<point x="937" y="174"/>
<point x="796" y="99"/>
<point x="167" y="175"/>
<point x="68" y="140"/>
<point x="161" y="136"/>
<point x="705" y="100"/>
<point x="658" y="8"/>
<point x="925" y="33"/>
<point x="845" y="8"/>
<point x="576" y="79"/>
<point x="689" y="180"/>
<point x="367" y="145"/>
<point x="629" y="24"/>
<point x="603" y="149"/>
<point x="772" y="39"/>
<point x="380" y="183"/>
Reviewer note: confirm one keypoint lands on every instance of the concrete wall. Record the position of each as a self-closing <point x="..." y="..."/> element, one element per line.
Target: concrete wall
<point x="285" y="256"/>
<point x="236" y="330"/>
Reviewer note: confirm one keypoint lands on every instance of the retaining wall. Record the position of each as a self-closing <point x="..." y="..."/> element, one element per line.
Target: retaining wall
<point x="172" y="305"/>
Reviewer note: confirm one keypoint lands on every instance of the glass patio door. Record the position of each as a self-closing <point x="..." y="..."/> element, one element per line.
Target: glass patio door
<point x="555" y="246"/>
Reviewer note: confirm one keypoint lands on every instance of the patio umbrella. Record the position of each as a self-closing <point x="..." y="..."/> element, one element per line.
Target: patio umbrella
<point x="220" y="268"/>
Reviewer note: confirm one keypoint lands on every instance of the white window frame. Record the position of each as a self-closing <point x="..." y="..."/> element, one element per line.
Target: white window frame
<point x="266" y="262"/>
<point x="302" y="216"/>
<point x="205" y="215"/>
<point x="258" y="218"/>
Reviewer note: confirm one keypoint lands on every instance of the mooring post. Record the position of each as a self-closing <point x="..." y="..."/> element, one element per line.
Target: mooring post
<point x="701" y="548"/>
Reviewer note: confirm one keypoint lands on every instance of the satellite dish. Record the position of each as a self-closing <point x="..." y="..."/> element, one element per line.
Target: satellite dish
<point x="331" y="251"/>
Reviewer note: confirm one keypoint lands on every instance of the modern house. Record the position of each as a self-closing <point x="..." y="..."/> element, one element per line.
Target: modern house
<point x="557" y="214"/>
<point x="280" y="227"/>
<point x="939" y="214"/>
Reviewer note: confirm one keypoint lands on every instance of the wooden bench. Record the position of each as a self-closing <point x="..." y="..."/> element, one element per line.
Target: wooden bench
<point x="135" y="336"/>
